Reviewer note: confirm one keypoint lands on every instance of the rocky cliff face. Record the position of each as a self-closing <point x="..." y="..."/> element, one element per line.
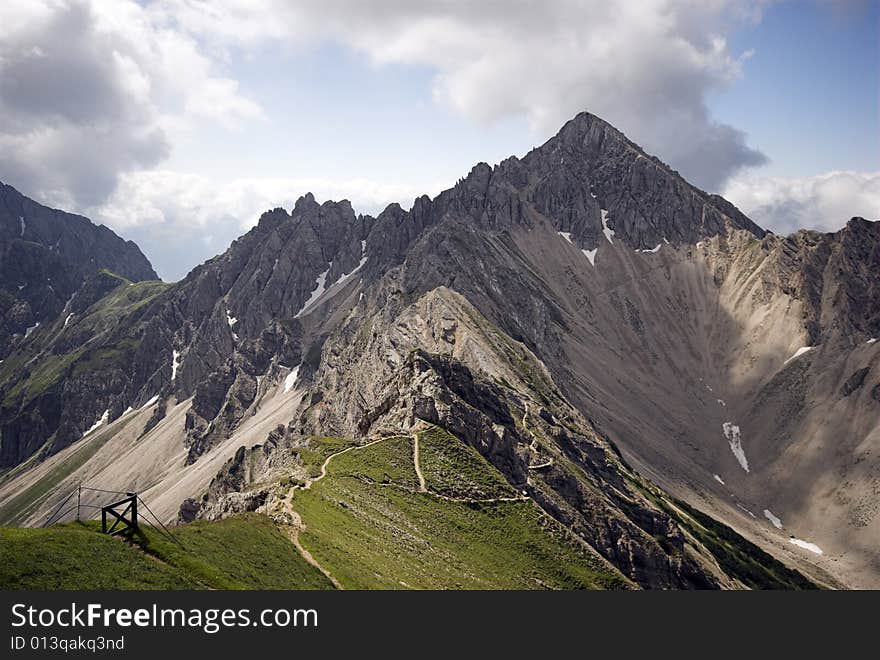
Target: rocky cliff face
<point x="583" y="309"/>
<point x="46" y="255"/>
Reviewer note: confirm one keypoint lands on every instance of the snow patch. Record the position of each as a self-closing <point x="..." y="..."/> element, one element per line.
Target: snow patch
<point x="23" y="224"/>
<point x="732" y="433"/>
<point x="127" y="410"/>
<point x="150" y="402"/>
<point x="591" y="255"/>
<point x="656" y="248"/>
<point x="28" y="331"/>
<point x="566" y="235"/>
<point x="746" y="510"/>
<point x="719" y="480"/>
<point x="99" y="423"/>
<point x="798" y="353"/>
<point x="360" y="265"/>
<point x="175" y="363"/>
<point x="768" y="514"/>
<point x="806" y="545"/>
<point x="609" y="233"/>
<point x="231" y="320"/>
<point x="321" y="286"/>
<point x="666" y="240"/>
<point x="872" y="340"/>
<point x="67" y="320"/>
<point x="721" y="402"/>
<point x="290" y="380"/>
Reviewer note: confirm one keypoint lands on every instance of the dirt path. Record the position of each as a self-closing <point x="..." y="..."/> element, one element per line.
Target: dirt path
<point x="422" y="487"/>
<point x="540" y="466"/>
<point x="293" y="531"/>
<point x="326" y="462"/>
<point x="297" y="525"/>
<point x="472" y="500"/>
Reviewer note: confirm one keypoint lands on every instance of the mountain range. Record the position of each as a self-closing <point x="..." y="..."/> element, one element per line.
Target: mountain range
<point x="574" y="355"/>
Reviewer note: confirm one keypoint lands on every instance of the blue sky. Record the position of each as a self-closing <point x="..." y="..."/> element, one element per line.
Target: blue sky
<point x="176" y="122"/>
<point x="332" y="113"/>
<point x="809" y="96"/>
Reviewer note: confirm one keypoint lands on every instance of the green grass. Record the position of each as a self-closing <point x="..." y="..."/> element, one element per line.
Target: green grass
<point x="50" y="368"/>
<point x="108" y="357"/>
<point x="317" y="451"/>
<point x="452" y="468"/>
<point x="74" y="556"/>
<point x="388" y="462"/>
<point x="126" y="298"/>
<point x="383" y="535"/>
<point x="109" y="272"/>
<point x="739" y="558"/>
<point x="242" y="552"/>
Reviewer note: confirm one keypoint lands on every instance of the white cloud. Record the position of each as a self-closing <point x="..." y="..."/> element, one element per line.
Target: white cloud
<point x="644" y="65"/>
<point x="90" y="89"/>
<point x="824" y="202"/>
<point x="94" y="94"/>
<point x="174" y="198"/>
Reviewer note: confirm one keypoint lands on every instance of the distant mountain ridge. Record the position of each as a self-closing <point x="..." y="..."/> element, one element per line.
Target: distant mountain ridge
<point x="45" y="257"/>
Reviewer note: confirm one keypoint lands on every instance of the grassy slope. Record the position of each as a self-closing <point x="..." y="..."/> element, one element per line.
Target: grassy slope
<point x="737" y="556"/>
<point x="73" y="556"/>
<point x="367" y="524"/>
<point x="371" y="530"/>
<point x="243" y="552"/>
<point x="457" y="470"/>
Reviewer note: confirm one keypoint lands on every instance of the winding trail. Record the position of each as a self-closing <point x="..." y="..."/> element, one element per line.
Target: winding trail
<point x="540" y="466"/>
<point x="326" y="462"/>
<point x="297" y="525"/>
<point x="293" y="531"/>
<point x="488" y="500"/>
<point x="422" y="487"/>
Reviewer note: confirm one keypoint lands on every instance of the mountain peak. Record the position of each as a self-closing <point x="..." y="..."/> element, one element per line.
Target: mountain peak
<point x="304" y="201"/>
<point x="590" y="167"/>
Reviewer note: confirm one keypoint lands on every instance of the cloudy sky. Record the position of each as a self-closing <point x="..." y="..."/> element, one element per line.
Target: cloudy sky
<point x="177" y="122"/>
